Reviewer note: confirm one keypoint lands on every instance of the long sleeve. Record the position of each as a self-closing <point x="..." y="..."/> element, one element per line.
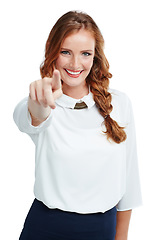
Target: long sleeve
<point x="76" y="168"/>
<point x="22" y="119"/>
<point x="132" y="197"/>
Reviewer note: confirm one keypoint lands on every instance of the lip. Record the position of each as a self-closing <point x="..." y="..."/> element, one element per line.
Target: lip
<point x="73" y="73"/>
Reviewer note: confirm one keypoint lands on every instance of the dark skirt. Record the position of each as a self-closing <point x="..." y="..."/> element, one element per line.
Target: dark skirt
<point x="43" y="223"/>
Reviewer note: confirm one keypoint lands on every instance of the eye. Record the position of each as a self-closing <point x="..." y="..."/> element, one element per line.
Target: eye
<point x="65" y="52"/>
<point x="86" y="54"/>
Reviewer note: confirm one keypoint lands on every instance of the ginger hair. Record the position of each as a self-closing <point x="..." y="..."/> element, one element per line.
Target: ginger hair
<point x="98" y="78"/>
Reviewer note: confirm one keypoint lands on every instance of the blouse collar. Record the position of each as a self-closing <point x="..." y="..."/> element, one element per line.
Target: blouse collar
<point x="69" y="102"/>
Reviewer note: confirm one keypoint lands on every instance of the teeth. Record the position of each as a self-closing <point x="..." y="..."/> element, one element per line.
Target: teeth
<point x="73" y="73"/>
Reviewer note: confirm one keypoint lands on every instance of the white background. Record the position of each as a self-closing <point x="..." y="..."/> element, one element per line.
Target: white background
<point x="131" y="32"/>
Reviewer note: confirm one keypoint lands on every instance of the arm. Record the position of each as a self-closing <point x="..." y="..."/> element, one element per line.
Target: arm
<point x="132" y="196"/>
<point x="123" y="219"/>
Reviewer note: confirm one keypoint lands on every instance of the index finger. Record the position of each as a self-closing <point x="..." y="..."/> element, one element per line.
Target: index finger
<point x="56" y="80"/>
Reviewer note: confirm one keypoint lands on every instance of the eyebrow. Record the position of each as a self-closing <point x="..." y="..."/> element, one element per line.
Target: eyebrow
<point x="66" y="49"/>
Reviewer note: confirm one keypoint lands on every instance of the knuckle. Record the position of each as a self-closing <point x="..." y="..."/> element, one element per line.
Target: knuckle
<point x="31" y="86"/>
<point x="40" y="99"/>
<point x="37" y="82"/>
<point x="46" y="92"/>
<point x="32" y="92"/>
<point x="46" y="80"/>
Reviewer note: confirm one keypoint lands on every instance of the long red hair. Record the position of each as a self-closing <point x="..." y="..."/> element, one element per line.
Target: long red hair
<point x="98" y="78"/>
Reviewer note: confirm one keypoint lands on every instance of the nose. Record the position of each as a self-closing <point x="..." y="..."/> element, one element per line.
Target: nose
<point x="75" y="63"/>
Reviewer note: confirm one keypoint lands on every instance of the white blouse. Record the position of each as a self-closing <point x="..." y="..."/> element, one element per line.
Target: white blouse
<point x="77" y="169"/>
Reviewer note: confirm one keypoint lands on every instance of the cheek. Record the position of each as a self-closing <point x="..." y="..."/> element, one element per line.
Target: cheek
<point x="89" y="64"/>
<point x="60" y="62"/>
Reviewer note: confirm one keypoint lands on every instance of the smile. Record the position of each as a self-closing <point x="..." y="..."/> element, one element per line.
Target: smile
<point x="74" y="74"/>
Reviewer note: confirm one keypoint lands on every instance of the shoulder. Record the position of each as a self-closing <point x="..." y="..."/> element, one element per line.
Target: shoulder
<point x="116" y="94"/>
<point x="119" y="97"/>
<point x="121" y="103"/>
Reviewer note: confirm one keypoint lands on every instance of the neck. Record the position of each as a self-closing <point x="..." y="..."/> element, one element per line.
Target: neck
<point x="75" y="92"/>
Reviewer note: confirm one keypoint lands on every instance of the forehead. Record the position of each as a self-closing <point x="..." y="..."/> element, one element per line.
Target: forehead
<point x="81" y="38"/>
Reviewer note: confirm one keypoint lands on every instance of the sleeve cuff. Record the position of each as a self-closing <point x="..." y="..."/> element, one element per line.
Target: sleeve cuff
<point x="22" y="119"/>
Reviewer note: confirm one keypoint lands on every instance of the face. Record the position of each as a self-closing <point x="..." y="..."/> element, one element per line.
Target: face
<point x="76" y="59"/>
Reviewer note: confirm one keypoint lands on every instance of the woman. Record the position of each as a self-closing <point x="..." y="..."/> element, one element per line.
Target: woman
<point x="86" y="181"/>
